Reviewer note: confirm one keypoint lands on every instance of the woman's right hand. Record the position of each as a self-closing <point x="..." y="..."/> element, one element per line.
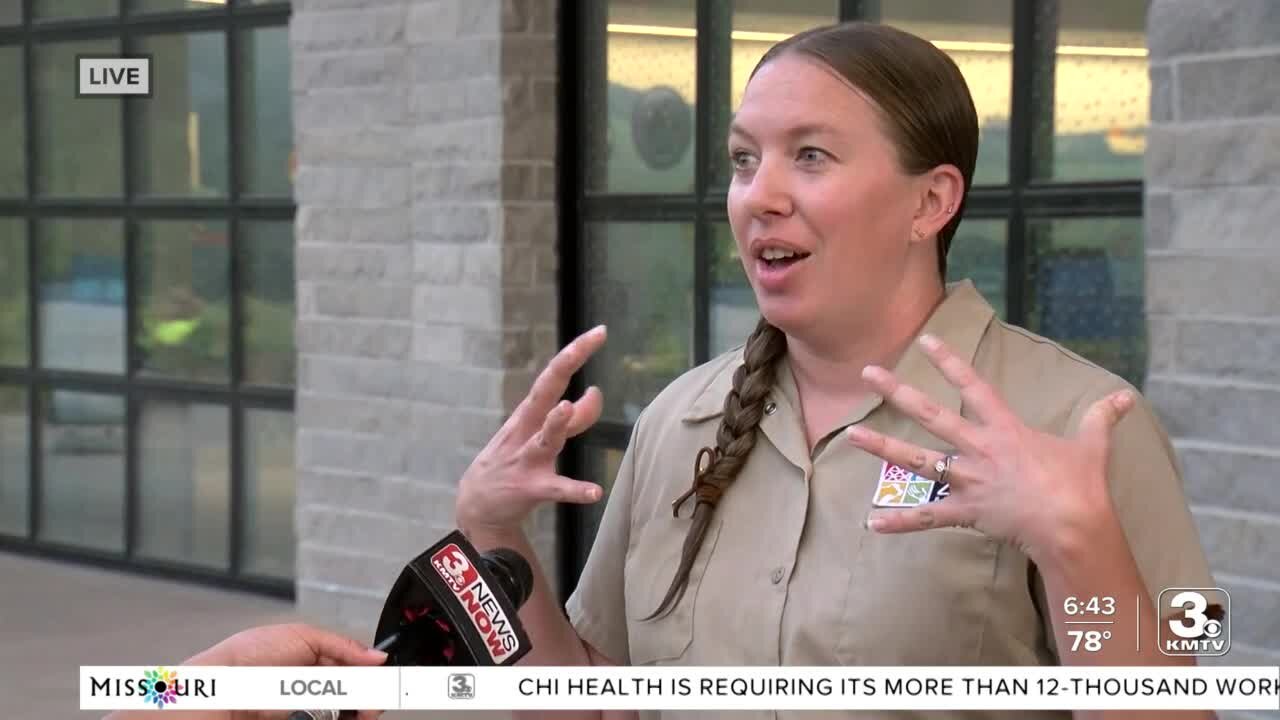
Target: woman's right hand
<point x="516" y="471"/>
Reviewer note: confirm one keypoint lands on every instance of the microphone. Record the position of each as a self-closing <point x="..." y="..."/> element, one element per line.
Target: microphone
<point x="452" y="605"/>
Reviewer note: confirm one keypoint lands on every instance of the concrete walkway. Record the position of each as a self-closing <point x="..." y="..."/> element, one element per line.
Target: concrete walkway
<point x="55" y="617"/>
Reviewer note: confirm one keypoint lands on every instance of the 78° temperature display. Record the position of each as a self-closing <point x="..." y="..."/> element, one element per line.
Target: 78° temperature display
<point x="1089" y="634"/>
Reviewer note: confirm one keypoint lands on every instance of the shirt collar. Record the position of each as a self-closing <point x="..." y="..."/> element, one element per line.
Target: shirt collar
<point x="960" y="321"/>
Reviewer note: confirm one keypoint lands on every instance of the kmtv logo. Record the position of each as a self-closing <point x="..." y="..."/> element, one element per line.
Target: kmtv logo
<point x="478" y="600"/>
<point x="454" y="567"/>
<point x="1198" y="626"/>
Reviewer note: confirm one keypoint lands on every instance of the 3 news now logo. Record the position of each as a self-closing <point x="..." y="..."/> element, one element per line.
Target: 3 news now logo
<point x="113" y="75"/>
<point x="478" y="600"/>
<point x="1200" y="625"/>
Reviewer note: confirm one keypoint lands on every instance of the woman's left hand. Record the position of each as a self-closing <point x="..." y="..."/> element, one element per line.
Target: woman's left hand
<point x="1032" y="489"/>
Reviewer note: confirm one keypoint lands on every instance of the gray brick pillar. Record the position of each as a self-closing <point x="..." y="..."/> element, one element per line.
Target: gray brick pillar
<point x="426" y="269"/>
<point x="1213" y="286"/>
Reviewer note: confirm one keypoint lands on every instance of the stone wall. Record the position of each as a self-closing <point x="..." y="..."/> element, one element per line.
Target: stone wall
<point x="426" y="268"/>
<point x="1213" y="287"/>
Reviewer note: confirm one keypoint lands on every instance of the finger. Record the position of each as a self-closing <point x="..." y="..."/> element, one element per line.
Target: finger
<point x="558" y="488"/>
<point x="898" y="452"/>
<point x="338" y="649"/>
<point x="551" y="383"/>
<point x="586" y="411"/>
<point x="549" y="441"/>
<point x="943" y="513"/>
<point x="1103" y="415"/>
<point x="942" y="422"/>
<point x="977" y="393"/>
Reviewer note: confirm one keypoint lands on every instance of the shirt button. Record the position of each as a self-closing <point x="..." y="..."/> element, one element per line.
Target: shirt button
<point x="770" y="408"/>
<point x="776" y="577"/>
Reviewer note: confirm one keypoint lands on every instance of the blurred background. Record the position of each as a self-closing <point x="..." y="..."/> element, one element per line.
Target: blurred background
<point x="254" y="326"/>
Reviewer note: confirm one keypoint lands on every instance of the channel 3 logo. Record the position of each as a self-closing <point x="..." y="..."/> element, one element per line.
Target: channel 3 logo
<point x="1199" y="624"/>
<point x="462" y="686"/>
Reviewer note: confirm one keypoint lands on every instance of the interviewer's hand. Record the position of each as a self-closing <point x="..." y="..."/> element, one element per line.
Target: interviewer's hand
<point x="290" y="645"/>
<point x="516" y="471"/>
<point x="1035" y="490"/>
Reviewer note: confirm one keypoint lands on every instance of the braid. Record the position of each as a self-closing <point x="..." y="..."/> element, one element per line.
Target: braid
<point x="736" y="436"/>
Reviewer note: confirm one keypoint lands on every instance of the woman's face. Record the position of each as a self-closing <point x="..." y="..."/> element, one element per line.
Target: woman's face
<point x="820" y="209"/>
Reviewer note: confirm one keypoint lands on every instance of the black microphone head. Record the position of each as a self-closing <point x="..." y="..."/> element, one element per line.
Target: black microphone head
<point x="512" y="572"/>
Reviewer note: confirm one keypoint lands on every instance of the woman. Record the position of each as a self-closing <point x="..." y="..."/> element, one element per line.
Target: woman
<point x="1006" y="479"/>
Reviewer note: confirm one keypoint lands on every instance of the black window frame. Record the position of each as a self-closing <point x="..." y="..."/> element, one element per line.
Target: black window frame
<point x="234" y="19"/>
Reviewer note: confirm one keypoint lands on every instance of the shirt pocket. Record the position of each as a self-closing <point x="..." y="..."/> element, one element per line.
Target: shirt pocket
<point x="650" y="566"/>
<point x="920" y="598"/>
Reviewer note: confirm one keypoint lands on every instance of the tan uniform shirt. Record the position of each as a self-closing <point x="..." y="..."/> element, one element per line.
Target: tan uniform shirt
<point x="789" y="575"/>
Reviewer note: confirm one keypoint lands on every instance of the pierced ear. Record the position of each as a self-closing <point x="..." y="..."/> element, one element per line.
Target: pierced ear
<point x="940" y="199"/>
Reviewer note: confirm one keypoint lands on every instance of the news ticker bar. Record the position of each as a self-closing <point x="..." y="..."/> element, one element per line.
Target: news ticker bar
<point x="680" y="688"/>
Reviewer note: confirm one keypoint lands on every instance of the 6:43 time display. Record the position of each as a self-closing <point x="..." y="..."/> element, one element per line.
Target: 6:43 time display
<point x="1104" y="605"/>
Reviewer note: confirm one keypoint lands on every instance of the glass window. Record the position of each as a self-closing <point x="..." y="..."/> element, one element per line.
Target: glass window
<point x="978" y="35"/>
<point x="13" y="292"/>
<point x="756" y="26"/>
<point x="184" y="295"/>
<point x="268" y="532"/>
<point x="1089" y="290"/>
<point x="57" y="9"/>
<point x="82" y="491"/>
<point x="144" y="6"/>
<point x="1097" y="124"/>
<point x="733" y="313"/>
<point x="82" y="296"/>
<point x="267" y="151"/>
<point x="11" y="13"/>
<point x="268" y="280"/>
<point x="13" y="133"/>
<point x="978" y="253"/>
<point x="645" y="100"/>
<point x="601" y="467"/>
<point x="184" y="485"/>
<point x="77" y="139"/>
<point x="181" y="130"/>
<point x="641" y="286"/>
<point x="15" y="454"/>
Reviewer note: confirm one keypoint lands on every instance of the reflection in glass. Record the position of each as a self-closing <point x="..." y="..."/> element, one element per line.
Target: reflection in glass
<point x="15" y="454"/>
<point x="1097" y="124"/>
<point x="600" y="467"/>
<point x="13" y="134"/>
<point x="82" y="484"/>
<point x="77" y="140"/>
<point x="266" y="250"/>
<point x="184" y="295"/>
<point x="181" y="130"/>
<point x="267" y="156"/>
<point x="755" y="28"/>
<point x="978" y="253"/>
<point x="184" y="485"/>
<point x="82" y="298"/>
<point x="268" y="534"/>
<point x="52" y="9"/>
<point x="645" y="96"/>
<point x="1089" y="290"/>
<point x="144" y="6"/>
<point x="13" y="292"/>
<point x="978" y="35"/>
<point x="733" y="310"/>
<point x="641" y="286"/>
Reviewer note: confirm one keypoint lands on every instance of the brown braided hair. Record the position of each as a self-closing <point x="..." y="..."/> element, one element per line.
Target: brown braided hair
<point x="743" y="408"/>
<point x="929" y="115"/>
